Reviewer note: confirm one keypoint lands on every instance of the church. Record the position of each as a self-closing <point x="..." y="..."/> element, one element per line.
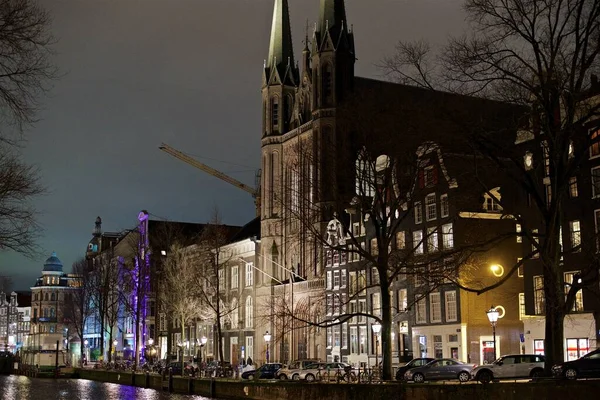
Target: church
<point x="317" y="119"/>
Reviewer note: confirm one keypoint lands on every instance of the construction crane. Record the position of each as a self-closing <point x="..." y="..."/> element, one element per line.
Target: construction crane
<point x="254" y="191"/>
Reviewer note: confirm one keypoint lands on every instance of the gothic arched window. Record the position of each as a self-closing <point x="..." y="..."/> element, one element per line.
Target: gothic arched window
<point x="46" y="297"/>
<point x="53" y="297"/>
<point x="327" y="85"/>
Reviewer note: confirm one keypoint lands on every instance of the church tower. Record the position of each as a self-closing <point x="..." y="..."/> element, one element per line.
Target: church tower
<point x="281" y="76"/>
<point x="332" y="55"/>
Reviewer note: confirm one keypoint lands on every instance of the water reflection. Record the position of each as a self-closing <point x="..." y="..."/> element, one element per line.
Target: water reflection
<point x="23" y="388"/>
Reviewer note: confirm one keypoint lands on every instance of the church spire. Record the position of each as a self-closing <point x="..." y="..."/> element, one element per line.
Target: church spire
<point x="332" y="18"/>
<point x="281" y="52"/>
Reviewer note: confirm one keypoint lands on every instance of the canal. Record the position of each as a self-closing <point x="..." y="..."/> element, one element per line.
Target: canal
<point x="13" y="387"/>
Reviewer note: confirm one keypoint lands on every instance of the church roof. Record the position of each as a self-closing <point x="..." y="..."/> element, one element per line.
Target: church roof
<point x="53" y="264"/>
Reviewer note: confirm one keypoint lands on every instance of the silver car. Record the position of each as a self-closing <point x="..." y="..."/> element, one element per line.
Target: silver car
<point x="323" y="371"/>
<point x="292" y="370"/>
<point x="440" y="369"/>
<point x="510" y="366"/>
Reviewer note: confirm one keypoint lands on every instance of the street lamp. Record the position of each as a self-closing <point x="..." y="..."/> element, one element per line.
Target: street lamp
<point x="203" y="341"/>
<point x="492" y="315"/>
<point x="376" y="329"/>
<point x="267" y="337"/>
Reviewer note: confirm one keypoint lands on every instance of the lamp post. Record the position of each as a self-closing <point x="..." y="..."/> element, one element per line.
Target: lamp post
<point x="115" y="342"/>
<point x="267" y="337"/>
<point x="376" y="329"/>
<point x="85" y="346"/>
<point x="492" y="315"/>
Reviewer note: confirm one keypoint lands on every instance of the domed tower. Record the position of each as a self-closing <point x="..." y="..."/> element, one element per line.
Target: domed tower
<point x="52" y="266"/>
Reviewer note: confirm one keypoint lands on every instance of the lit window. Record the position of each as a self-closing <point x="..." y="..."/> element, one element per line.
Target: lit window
<point x="573" y="187"/>
<point x="374" y="248"/>
<point x="447" y="236"/>
<point x="418" y="242"/>
<point x="401" y="240"/>
<point x="578" y="304"/>
<point x="519" y="237"/>
<point x="432" y="240"/>
<point x="575" y="234"/>
<point x="430" y="207"/>
<point x="491" y="200"/>
<point x="521" y="305"/>
<point x="528" y="161"/>
<point x="538" y="294"/>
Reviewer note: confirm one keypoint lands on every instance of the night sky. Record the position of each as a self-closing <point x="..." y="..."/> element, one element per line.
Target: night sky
<point x="186" y="72"/>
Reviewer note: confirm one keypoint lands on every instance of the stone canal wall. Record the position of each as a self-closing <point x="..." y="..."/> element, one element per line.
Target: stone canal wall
<point x="235" y="389"/>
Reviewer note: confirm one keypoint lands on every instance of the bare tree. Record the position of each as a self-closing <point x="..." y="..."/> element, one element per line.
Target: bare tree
<point x="19" y="182"/>
<point x="78" y="304"/>
<point x="376" y="188"/>
<point x="178" y="294"/>
<point x="106" y="295"/>
<point x="543" y="57"/>
<point x="211" y="288"/>
<point x="25" y="71"/>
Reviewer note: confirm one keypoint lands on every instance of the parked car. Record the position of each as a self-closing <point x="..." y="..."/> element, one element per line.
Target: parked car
<point x="510" y="366"/>
<point x="323" y="371"/>
<point x="440" y="369"/>
<point x="291" y="370"/>
<point x="266" y="371"/>
<point x="587" y="366"/>
<point x="414" y="363"/>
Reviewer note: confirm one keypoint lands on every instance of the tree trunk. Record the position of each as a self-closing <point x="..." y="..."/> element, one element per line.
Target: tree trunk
<point x="182" y="344"/>
<point x="554" y="293"/>
<point x="110" y="344"/>
<point x="386" y="327"/>
<point x="102" y="325"/>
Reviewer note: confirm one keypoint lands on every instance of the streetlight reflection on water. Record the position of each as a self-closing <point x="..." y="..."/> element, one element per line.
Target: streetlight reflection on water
<point x="23" y="388"/>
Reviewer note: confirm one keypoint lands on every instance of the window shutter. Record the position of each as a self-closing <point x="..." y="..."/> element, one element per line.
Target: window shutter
<point x="421" y="178"/>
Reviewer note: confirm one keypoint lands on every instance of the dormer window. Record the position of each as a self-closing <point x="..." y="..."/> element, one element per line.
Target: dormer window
<point x="491" y="200"/>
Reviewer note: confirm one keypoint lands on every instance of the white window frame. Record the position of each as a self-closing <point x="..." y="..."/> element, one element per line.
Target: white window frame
<point x="329" y="281"/>
<point x="435" y="307"/>
<point x="420" y="310"/>
<point x="522" y="312"/>
<point x="249" y="312"/>
<point x="336" y="279"/>
<point x="448" y="236"/>
<point x="401" y="240"/>
<point x="234" y="277"/>
<point x="343" y="278"/>
<point x="432" y="240"/>
<point x="450" y="305"/>
<point x="431" y="207"/>
<point x="222" y="279"/>
<point x="249" y="274"/>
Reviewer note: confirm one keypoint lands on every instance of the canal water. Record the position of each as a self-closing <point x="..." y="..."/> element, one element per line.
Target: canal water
<point x="13" y="387"/>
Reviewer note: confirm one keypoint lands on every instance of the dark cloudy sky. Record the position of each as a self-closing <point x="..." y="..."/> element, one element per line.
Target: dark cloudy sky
<point x="186" y="72"/>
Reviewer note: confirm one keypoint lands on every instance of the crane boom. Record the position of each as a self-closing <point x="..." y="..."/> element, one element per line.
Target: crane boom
<point x="209" y="170"/>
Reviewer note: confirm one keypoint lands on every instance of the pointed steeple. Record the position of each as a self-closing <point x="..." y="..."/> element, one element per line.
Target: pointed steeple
<point x="281" y="51"/>
<point x="332" y="18"/>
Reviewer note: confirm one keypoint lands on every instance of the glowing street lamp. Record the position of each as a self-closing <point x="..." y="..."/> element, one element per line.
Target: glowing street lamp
<point x="376" y="329"/>
<point x="492" y="315"/>
<point x="267" y="337"/>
